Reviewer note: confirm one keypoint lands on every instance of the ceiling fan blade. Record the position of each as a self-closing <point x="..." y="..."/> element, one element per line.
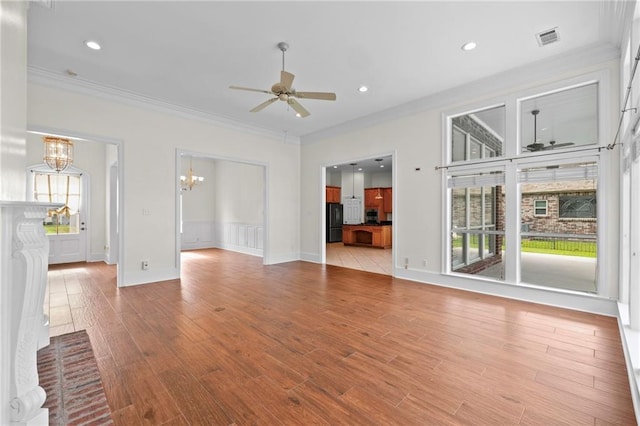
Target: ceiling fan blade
<point x="557" y="145"/>
<point x="264" y="105"/>
<point x="325" y="96"/>
<point x="250" y="89"/>
<point x="286" y="79"/>
<point x="298" y="108"/>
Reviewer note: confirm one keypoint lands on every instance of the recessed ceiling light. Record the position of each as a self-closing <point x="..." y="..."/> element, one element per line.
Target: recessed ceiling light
<point x="92" y="44"/>
<point x="469" y="45"/>
<point x="381" y="165"/>
<point x="363" y="89"/>
<point x="359" y="169"/>
<point x="298" y="115"/>
<point x="335" y="167"/>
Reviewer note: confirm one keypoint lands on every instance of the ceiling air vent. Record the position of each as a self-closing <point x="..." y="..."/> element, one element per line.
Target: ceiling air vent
<point x="548" y="37"/>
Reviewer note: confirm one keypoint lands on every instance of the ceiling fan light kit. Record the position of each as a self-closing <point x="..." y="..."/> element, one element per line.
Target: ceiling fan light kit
<point x="284" y="91"/>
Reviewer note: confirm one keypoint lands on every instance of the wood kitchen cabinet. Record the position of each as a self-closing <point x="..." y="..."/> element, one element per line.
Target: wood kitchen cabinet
<point x="367" y="235"/>
<point x="383" y="204"/>
<point x="370" y="197"/>
<point x="333" y="194"/>
<point x="387" y="201"/>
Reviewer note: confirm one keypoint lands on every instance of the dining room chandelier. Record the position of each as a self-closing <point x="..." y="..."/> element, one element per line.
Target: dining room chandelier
<point x="190" y="180"/>
<point x="58" y="152"/>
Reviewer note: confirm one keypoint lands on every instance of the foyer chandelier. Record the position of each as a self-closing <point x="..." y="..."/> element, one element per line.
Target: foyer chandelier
<point x="190" y="180"/>
<point x="58" y="152"/>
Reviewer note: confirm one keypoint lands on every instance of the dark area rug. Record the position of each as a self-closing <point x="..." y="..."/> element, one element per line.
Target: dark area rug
<point x="69" y="375"/>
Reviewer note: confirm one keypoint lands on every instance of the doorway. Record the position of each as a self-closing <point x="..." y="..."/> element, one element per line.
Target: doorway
<point x="220" y="203"/>
<point x="364" y="186"/>
<point x="95" y="218"/>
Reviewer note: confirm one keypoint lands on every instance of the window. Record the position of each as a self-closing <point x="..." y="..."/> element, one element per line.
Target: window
<point x="566" y="249"/>
<point x="478" y="135"/>
<point x="562" y="119"/>
<point x="540" y="207"/>
<point x="59" y="188"/>
<point x="513" y="184"/>
<point x="578" y="206"/>
<point x="476" y="223"/>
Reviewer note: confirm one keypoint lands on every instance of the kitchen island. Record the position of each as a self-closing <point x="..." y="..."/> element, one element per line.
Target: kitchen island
<point x="368" y="235"/>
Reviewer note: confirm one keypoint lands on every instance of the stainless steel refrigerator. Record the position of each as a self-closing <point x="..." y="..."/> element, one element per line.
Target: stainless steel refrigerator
<point x="334" y="222"/>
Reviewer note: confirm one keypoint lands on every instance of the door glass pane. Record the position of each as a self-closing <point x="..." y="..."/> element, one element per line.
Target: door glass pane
<point x="560" y="120"/>
<point x="558" y="249"/>
<point x="59" y="188"/>
<point x="485" y="130"/>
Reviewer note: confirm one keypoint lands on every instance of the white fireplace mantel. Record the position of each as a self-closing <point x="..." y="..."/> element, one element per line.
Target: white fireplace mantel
<point x="24" y="253"/>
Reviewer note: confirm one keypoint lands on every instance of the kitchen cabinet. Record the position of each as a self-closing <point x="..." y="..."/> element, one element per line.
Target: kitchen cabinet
<point x="383" y="204"/>
<point x="367" y="235"/>
<point x="387" y="201"/>
<point x="333" y="194"/>
<point x="370" y="195"/>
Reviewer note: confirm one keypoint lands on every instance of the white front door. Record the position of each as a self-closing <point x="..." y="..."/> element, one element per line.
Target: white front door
<point x="65" y="227"/>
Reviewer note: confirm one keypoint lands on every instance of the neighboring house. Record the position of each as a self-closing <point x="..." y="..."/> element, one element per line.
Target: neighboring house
<point x="566" y="208"/>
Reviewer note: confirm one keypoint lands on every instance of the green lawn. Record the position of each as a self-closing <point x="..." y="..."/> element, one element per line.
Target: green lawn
<point x="560" y="247"/>
<point x="56" y="229"/>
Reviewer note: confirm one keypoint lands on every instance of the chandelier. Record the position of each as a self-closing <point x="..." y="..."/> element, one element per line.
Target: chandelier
<point x="190" y="180"/>
<point x="58" y="152"/>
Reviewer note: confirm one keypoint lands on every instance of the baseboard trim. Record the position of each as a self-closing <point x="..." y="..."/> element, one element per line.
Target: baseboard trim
<point x="561" y="299"/>
<point x="240" y="249"/>
<point x="150" y="276"/>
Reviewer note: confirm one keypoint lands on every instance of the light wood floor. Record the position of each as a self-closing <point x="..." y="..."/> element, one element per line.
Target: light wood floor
<point x="236" y="342"/>
<point x="362" y="258"/>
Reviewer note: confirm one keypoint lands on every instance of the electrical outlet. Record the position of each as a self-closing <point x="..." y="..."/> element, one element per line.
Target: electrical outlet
<point x="145" y="265"/>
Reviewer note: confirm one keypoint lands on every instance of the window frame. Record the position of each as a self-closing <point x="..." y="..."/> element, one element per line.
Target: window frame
<point x="546" y="208"/>
<point x="514" y="158"/>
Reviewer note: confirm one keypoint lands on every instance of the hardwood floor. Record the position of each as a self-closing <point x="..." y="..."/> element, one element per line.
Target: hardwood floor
<point x="236" y="342"/>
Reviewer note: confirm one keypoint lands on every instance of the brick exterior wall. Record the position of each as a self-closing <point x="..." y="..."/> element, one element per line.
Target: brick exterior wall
<point x="552" y="222"/>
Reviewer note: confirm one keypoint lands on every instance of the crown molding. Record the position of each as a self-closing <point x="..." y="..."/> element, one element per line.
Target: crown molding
<point x="579" y="58"/>
<point x="58" y="81"/>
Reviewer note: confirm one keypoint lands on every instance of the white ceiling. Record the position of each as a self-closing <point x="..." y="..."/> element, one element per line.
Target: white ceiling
<point x="189" y="53"/>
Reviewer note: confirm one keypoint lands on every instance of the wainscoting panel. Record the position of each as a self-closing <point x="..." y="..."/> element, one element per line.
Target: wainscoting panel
<point x="198" y="234"/>
<point x="241" y="237"/>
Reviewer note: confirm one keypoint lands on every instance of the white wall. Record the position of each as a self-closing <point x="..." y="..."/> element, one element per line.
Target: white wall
<point x="199" y="203"/>
<point x="90" y="158"/>
<point x="416" y="140"/>
<point x="149" y="140"/>
<point x="13" y="102"/>
<point x="378" y="180"/>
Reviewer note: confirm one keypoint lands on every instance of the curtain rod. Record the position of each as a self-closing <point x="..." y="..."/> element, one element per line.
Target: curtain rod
<point x="626" y="99"/>
<point x="499" y="160"/>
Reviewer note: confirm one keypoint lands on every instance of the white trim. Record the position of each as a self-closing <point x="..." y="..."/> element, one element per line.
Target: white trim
<point x="78" y="85"/>
<point x="149" y="276"/>
<point x="551" y="297"/>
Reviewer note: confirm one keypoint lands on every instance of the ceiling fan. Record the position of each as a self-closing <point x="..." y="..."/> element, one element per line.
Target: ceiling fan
<point x="284" y="91"/>
<point x="540" y="146"/>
